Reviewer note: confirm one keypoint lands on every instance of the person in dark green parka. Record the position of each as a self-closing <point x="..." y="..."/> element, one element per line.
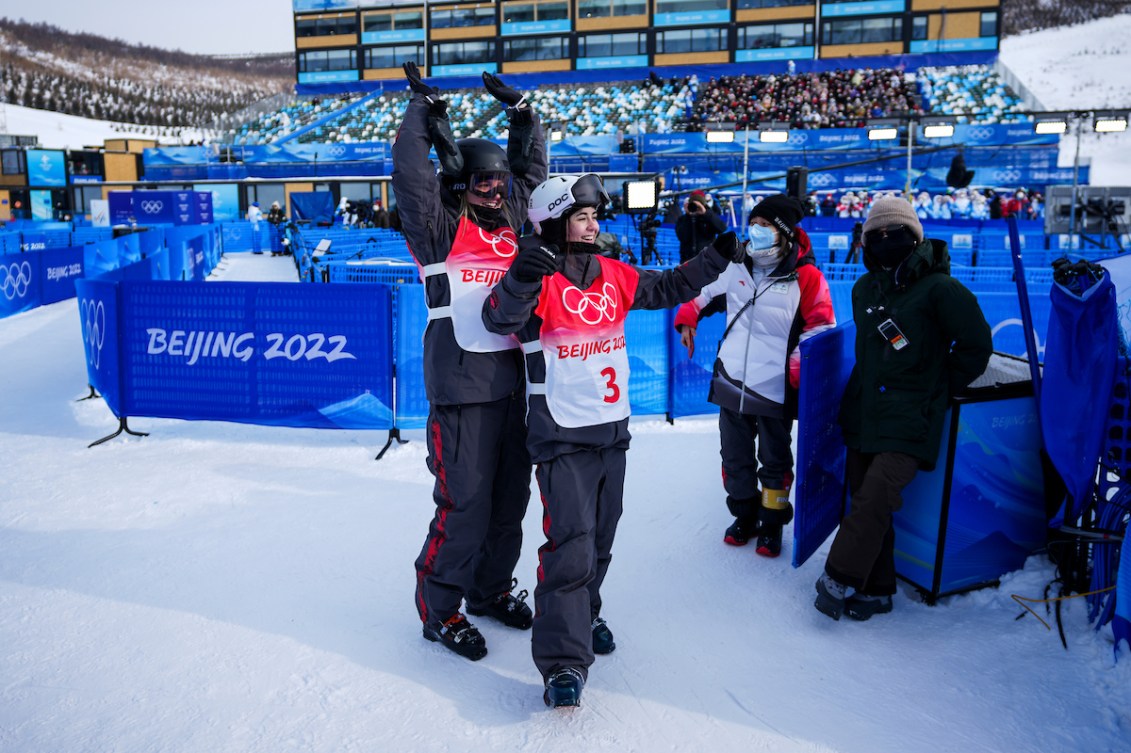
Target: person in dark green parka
<point x="920" y="337"/>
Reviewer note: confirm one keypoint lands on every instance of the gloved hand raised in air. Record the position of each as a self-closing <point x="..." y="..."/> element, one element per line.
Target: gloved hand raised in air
<point x="412" y="73"/>
<point x="501" y="91"/>
<point x="536" y="259"/>
<point x="728" y="246"/>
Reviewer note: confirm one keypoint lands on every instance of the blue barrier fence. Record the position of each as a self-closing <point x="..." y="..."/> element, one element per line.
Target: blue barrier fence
<point x="146" y="315"/>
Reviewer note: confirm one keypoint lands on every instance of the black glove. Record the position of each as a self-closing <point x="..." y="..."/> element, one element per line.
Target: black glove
<point x="728" y="246"/>
<point x="501" y="91"/>
<point x="536" y="259"/>
<point x="412" y="73"/>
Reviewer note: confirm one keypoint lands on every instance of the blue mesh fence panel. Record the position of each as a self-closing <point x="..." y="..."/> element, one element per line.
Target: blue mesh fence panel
<point x="819" y="493"/>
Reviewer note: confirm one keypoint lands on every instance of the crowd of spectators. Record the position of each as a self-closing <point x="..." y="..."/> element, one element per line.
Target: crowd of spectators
<point x="603" y="109"/>
<point x="842" y="98"/>
<point x="957" y="204"/>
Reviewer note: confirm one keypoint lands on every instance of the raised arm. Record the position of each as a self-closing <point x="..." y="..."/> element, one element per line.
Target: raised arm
<point x="427" y="226"/>
<point x="663" y="289"/>
<point x="526" y="145"/>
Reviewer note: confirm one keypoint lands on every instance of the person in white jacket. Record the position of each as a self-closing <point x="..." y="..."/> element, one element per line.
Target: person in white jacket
<point x="774" y="298"/>
<point x="255" y="216"/>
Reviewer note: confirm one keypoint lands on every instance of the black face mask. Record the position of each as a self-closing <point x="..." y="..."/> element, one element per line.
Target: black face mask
<point x="487" y="217"/>
<point x="890" y="246"/>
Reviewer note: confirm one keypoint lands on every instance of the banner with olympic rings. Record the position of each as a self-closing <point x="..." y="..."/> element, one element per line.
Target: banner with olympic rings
<point x="20" y="287"/>
<point x="98" y="316"/>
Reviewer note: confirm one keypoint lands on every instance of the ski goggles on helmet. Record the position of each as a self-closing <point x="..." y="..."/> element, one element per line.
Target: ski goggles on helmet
<point x="589" y="191"/>
<point x="490" y="185"/>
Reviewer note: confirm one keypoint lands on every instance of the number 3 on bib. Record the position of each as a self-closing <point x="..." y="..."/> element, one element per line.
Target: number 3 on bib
<point x="610" y="375"/>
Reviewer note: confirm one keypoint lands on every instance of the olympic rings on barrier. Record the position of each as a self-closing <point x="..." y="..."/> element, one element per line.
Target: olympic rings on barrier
<point x="591" y="307"/>
<point x="93" y="328"/>
<point x="15" y="278"/>
<point x="151" y="207"/>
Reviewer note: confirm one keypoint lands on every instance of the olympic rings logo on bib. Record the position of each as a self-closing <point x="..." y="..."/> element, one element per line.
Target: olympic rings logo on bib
<point x="591" y="307"/>
<point x="504" y="245"/>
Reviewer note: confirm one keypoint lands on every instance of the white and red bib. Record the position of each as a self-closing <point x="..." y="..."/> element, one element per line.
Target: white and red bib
<point x="583" y="346"/>
<point x="478" y="260"/>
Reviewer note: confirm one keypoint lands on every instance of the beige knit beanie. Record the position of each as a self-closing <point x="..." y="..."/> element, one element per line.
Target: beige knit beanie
<point x="893" y="210"/>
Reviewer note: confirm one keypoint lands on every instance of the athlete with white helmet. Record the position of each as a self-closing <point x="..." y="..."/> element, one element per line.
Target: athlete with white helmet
<point x="568" y="304"/>
<point x="460" y="226"/>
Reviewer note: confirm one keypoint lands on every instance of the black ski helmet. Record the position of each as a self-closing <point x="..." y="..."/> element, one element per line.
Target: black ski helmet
<point x="479" y="156"/>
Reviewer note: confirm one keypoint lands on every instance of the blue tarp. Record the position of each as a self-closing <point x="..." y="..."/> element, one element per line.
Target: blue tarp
<point x="1081" y="351"/>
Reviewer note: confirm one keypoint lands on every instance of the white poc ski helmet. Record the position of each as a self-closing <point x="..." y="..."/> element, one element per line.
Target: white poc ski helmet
<point x="557" y="198"/>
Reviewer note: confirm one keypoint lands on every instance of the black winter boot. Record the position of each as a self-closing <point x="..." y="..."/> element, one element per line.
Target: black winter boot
<point x="769" y="541"/>
<point x="746" y="522"/>
<point x="459" y="635"/>
<point x="862" y="606"/>
<point x="508" y="609"/>
<point x="830" y="596"/>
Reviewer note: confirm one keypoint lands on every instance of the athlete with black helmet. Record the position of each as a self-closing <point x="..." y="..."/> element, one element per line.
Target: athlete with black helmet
<point x="567" y="304"/>
<point x="461" y="229"/>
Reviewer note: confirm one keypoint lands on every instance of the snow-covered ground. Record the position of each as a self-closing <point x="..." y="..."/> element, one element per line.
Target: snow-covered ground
<point x="58" y="131"/>
<point x="222" y="587"/>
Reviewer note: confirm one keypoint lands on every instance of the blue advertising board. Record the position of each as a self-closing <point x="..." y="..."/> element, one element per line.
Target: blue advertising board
<point x="46" y="168"/>
<point x="98" y="317"/>
<point x="225" y="198"/>
<point x="863" y="8"/>
<point x="61" y="267"/>
<point x="19" y="283"/>
<point x="263" y="353"/>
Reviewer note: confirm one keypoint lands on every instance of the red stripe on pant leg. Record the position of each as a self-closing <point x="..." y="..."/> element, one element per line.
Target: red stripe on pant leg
<point x="435" y="540"/>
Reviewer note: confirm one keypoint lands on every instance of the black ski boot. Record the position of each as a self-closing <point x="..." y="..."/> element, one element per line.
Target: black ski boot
<point x="563" y="688"/>
<point x="460" y="636"/>
<point x="508" y="609"/>
<point x="603" y="642"/>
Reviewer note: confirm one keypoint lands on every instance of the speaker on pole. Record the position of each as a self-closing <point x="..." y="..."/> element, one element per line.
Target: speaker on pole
<point x="796" y="180"/>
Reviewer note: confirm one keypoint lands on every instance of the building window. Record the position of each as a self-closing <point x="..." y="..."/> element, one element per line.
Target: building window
<point x="988" y="27"/>
<point x="461" y="53"/>
<point x="773" y="36"/>
<point x="395" y="20"/>
<point x="325" y="27"/>
<point x="612" y="45"/>
<point x="542" y="48"/>
<point x="12" y="162"/>
<point x="327" y="60"/>
<point x="861" y="30"/>
<point x="690" y="40"/>
<point x="755" y="4"/>
<point x="689" y="6"/>
<point x="610" y="8"/>
<point x="532" y="10"/>
<point x="919" y="26"/>
<point x="394" y="56"/>
<point x="462" y="18"/>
